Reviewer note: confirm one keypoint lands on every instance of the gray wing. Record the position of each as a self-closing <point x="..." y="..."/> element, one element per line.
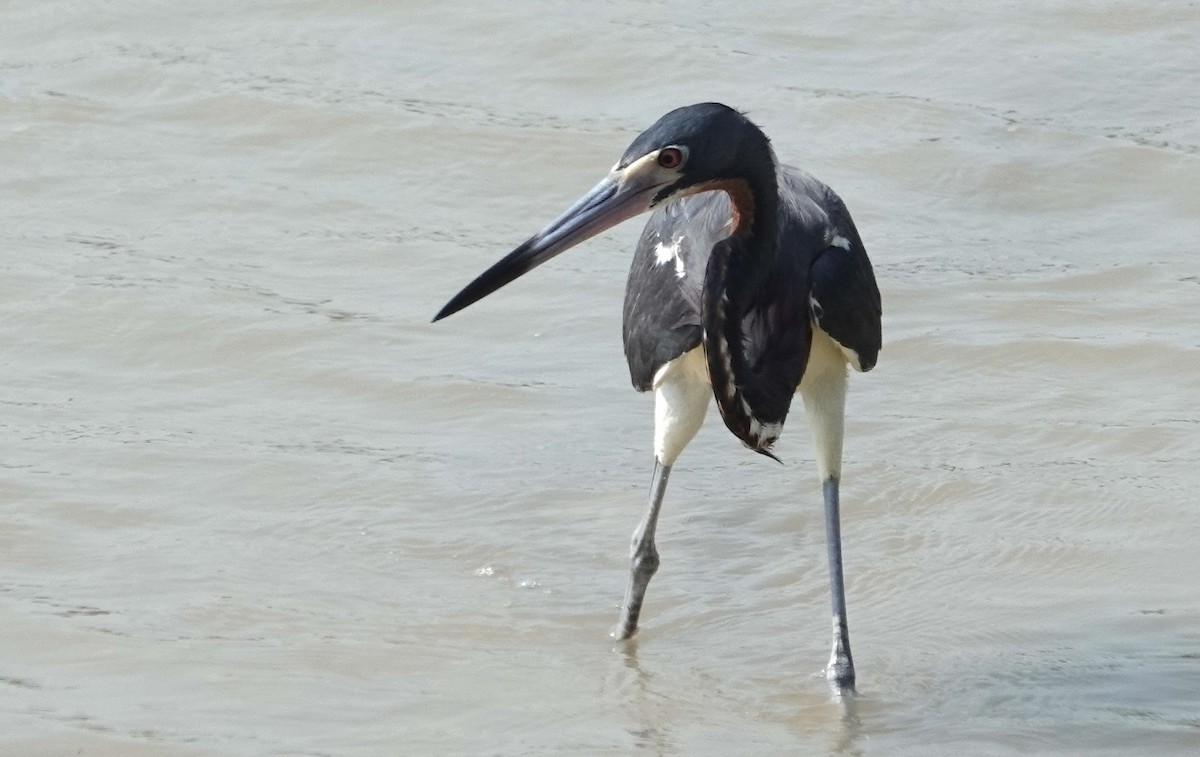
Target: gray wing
<point x="662" y="296"/>
<point x="844" y="296"/>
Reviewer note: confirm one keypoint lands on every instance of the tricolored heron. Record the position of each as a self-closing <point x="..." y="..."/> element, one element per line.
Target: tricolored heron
<point x="750" y="282"/>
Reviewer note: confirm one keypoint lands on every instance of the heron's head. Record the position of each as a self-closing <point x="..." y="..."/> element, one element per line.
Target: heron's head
<point x="689" y="150"/>
<point x="693" y="149"/>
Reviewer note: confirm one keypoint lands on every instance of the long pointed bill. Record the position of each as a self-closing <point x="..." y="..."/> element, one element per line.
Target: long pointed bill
<point x="621" y="195"/>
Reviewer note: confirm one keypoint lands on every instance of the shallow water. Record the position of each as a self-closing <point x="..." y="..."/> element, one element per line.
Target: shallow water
<point x="254" y="503"/>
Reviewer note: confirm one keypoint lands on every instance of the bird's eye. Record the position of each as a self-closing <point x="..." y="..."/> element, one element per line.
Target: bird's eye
<point x="670" y="157"/>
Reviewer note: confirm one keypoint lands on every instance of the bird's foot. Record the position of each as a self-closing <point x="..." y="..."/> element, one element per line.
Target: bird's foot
<point x="626" y="627"/>
<point x="622" y="634"/>
<point x="840" y="674"/>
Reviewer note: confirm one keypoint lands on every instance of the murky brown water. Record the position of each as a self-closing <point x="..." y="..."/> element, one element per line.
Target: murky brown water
<point x="253" y="503"/>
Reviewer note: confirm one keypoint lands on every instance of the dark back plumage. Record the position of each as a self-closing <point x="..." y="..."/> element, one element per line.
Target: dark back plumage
<point x="821" y="275"/>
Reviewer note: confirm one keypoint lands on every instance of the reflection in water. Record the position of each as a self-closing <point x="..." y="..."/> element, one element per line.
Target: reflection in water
<point x="849" y="725"/>
<point x="656" y="716"/>
<point x="650" y="731"/>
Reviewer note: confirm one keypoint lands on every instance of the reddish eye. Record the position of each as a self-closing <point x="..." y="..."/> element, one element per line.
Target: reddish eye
<point x="670" y="157"/>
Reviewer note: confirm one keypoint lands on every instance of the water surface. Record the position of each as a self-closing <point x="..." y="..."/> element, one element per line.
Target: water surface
<point x="253" y="503"/>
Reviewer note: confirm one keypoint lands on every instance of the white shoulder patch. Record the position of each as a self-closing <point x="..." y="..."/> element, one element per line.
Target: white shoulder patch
<point x="665" y="253"/>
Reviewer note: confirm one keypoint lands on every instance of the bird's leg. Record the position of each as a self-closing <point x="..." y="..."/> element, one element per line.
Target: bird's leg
<point x="824" y="393"/>
<point x="841" y="665"/>
<point x="681" y="397"/>
<point x="643" y="556"/>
